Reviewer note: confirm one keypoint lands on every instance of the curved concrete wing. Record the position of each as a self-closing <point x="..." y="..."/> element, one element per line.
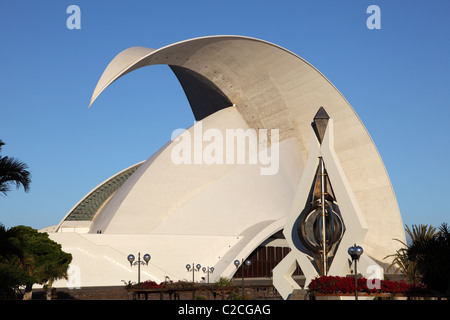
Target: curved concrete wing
<point x="123" y="63"/>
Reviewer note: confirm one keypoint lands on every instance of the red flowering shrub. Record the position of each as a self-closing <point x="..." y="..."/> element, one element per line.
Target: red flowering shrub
<point x="332" y="285"/>
<point x="149" y="284"/>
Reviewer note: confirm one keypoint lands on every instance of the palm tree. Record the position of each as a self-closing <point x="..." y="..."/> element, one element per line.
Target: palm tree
<point x="402" y="258"/>
<point x="427" y="258"/>
<point x="402" y="264"/>
<point x="13" y="172"/>
<point x="432" y="259"/>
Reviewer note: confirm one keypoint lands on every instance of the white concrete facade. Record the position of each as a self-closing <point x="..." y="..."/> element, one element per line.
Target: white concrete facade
<point x="213" y="214"/>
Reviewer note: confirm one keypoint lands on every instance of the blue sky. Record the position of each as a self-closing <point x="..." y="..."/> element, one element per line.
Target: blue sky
<point x="396" y="78"/>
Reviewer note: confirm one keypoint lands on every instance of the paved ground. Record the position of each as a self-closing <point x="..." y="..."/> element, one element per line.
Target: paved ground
<point x="89" y="293"/>
<point x="120" y="293"/>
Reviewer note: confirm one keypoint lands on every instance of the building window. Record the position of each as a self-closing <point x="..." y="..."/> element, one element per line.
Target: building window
<point x="264" y="259"/>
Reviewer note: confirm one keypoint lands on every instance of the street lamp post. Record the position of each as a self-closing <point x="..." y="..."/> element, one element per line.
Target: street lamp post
<point x="194" y="268"/>
<point x="131" y="259"/>
<point x="355" y="252"/>
<point x="247" y="263"/>
<point x="208" y="270"/>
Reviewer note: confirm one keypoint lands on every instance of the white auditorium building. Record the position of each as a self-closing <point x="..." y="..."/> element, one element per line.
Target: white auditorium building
<point x="213" y="212"/>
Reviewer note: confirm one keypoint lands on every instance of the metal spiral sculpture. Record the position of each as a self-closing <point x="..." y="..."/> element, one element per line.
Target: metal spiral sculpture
<point x="320" y="226"/>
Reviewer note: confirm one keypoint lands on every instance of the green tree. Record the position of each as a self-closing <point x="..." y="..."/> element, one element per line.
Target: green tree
<point x="13" y="172"/>
<point x="10" y="272"/>
<point x="30" y="257"/>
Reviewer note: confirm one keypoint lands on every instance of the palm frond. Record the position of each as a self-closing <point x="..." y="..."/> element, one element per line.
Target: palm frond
<point x="13" y="172"/>
<point x="421" y="232"/>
